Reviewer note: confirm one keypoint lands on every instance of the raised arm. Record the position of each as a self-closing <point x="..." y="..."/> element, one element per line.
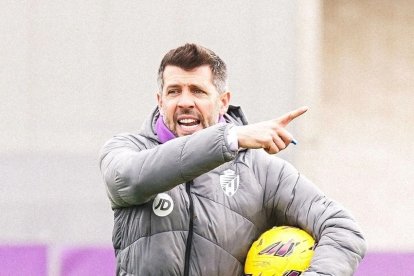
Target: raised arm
<point x="135" y="171"/>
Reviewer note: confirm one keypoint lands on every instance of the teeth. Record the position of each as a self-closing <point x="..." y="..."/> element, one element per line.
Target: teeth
<point x="187" y="121"/>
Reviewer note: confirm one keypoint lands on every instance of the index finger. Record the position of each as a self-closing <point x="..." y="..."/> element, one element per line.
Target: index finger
<point x="288" y="117"/>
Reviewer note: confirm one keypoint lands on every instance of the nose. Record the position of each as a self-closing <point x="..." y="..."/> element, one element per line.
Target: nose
<point x="186" y="99"/>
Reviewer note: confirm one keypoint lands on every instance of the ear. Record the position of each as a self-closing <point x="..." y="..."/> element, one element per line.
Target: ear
<point x="159" y="100"/>
<point x="224" y="102"/>
<point x="160" y="103"/>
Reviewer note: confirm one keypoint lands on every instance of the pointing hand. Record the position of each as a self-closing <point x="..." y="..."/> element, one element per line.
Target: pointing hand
<point x="270" y="135"/>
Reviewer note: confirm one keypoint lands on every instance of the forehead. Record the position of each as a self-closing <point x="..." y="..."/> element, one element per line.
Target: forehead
<point x="174" y="75"/>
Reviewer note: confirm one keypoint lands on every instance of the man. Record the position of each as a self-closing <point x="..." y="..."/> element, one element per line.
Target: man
<point x="197" y="185"/>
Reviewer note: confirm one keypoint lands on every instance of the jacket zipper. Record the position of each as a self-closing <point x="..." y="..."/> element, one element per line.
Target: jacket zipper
<point x="190" y="230"/>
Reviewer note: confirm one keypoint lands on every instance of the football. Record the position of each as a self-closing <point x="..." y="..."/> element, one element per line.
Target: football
<point x="280" y="251"/>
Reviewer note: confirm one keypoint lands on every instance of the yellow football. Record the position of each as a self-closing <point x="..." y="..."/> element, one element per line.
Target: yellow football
<point x="280" y="251"/>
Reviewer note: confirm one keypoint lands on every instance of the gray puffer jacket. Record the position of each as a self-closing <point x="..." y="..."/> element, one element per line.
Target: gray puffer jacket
<point x="191" y="206"/>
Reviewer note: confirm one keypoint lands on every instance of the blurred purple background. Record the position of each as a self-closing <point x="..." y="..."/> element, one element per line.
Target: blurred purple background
<point x="85" y="261"/>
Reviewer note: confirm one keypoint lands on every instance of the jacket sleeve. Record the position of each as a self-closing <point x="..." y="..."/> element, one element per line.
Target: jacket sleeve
<point x="134" y="173"/>
<point x="294" y="200"/>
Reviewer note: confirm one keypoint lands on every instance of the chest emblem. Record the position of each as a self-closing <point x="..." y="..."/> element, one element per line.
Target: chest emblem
<point x="162" y="205"/>
<point x="229" y="182"/>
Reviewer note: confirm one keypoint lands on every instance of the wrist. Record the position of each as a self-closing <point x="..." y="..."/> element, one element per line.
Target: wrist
<point x="232" y="139"/>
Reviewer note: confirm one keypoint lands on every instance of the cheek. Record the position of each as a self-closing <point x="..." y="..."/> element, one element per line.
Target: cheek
<point x="211" y="112"/>
<point x="167" y="108"/>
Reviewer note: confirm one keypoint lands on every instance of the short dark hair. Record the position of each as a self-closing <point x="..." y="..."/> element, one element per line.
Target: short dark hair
<point x="191" y="56"/>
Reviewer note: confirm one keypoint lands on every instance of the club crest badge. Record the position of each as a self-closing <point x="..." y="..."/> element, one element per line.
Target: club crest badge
<point x="229" y="182"/>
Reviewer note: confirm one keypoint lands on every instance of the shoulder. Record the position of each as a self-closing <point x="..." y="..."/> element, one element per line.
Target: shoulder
<point x="268" y="165"/>
<point x="267" y="161"/>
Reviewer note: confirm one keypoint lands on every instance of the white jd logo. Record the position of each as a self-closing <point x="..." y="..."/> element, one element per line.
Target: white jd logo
<point x="229" y="182"/>
<point x="162" y="205"/>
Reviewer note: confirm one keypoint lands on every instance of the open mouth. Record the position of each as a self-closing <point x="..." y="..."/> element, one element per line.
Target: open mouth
<point x="188" y="125"/>
<point x="188" y="122"/>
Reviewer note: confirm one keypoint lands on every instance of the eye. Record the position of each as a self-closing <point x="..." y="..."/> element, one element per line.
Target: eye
<point x="198" y="91"/>
<point x="173" y="91"/>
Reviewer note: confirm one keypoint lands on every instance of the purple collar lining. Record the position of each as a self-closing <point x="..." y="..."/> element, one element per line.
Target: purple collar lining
<point x="165" y="134"/>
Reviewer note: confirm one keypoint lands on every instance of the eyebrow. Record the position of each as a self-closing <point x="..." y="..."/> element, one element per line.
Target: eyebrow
<point x="172" y="86"/>
<point x="191" y="86"/>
